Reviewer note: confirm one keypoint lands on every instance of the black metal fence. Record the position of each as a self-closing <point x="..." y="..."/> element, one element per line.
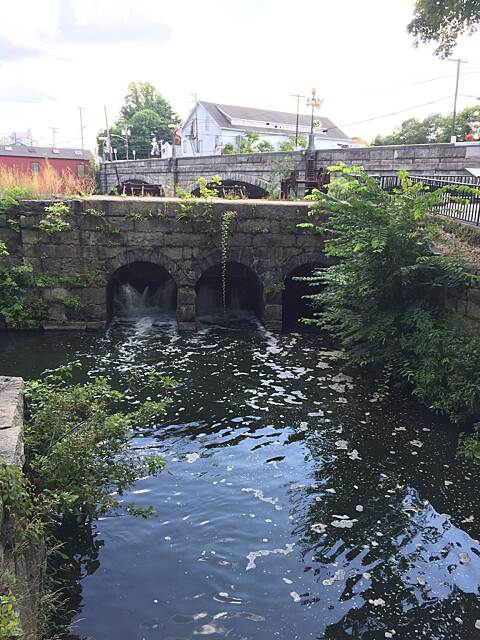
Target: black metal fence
<point x="454" y="204"/>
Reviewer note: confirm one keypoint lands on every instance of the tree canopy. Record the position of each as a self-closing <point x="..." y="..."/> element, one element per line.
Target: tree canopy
<point x="443" y="22"/>
<point x="146" y="114"/>
<point x="433" y="128"/>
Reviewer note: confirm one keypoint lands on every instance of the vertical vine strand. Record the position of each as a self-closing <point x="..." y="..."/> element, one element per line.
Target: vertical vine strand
<point x="227" y="217"/>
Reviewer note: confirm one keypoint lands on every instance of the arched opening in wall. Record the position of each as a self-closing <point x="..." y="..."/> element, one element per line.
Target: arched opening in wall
<point x="295" y="306"/>
<point x="132" y="187"/>
<point x="243" y="294"/>
<point x="141" y="289"/>
<point x="235" y="189"/>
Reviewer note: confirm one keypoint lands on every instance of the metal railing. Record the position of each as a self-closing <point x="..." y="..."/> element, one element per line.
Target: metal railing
<point x="454" y="204"/>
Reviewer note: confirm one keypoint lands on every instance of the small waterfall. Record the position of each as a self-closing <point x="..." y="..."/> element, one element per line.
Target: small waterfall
<point x="131" y="304"/>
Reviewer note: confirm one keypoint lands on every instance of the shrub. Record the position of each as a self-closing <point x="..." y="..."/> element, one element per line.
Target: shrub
<point x="20" y="308"/>
<point x="76" y="440"/>
<point x="384" y="299"/>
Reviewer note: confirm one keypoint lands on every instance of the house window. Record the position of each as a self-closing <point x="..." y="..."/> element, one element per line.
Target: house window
<point x="35" y="167"/>
<point x="207" y="125"/>
<point x="80" y="170"/>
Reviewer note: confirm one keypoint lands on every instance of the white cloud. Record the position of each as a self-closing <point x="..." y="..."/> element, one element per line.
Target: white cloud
<point x="254" y="52"/>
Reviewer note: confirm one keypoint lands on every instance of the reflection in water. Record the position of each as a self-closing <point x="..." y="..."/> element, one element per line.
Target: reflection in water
<point x="298" y="501"/>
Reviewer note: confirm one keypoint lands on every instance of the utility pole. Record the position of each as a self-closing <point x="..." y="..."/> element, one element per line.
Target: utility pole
<point x="80" y="109"/>
<point x="196" y="120"/>
<point x="459" y="61"/>
<point x="297" y="96"/>
<point x="54" y="131"/>
<point x="108" y="134"/>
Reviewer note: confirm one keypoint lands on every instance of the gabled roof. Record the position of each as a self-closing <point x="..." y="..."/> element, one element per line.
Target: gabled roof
<point x="224" y="113"/>
<point x="23" y="151"/>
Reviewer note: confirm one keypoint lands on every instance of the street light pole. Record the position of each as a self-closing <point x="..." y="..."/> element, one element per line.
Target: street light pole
<point x="315" y="103"/>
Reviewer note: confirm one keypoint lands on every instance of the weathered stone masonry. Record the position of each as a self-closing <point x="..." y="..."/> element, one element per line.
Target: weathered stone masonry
<point x="264" y="170"/>
<point x="27" y="564"/>
<point x="109" y="232"/>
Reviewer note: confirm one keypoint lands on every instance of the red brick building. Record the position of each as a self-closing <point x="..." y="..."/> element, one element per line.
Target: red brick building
<point x="30" y="160"/>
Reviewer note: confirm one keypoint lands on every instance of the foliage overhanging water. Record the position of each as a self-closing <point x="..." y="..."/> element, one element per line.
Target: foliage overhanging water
<point x="298" y="501"/>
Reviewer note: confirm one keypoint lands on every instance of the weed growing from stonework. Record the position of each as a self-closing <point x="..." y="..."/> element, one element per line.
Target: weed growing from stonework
<point x="54" y="219"/>
<point x="3" y="249"/>
<point x="384" y="299"/>
<point x="190" y="205"/>
<point x="11" y="198"/>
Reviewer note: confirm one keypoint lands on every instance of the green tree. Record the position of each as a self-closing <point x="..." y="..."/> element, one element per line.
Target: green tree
<point x="146" y="114"/>
<point x="265" y="147"/>
<point x="433" y="128"/>
<point x="228" y="149"/>
<point x="289" y="145"/>
<point x="248" y="142"/>
<point x="443" y="22"/>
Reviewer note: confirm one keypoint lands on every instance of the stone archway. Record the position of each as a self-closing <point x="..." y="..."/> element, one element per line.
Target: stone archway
<point x="253" y="186"/>
<point x="140" y="289"/>
<point x="242" y="294"/>
<point x="144" y="281"/>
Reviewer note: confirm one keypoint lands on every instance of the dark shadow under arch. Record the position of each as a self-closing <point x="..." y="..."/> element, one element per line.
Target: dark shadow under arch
<point x="294" y="304"/>
<point x="231" y="188"/>
<point x="140" y="288"/>
<point x="135" y="187"/>
<point x="243" y="291"/>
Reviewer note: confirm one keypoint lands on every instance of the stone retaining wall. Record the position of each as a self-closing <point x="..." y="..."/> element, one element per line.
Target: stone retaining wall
<point x="183" y="237"/>
<point x="26" y="564"/>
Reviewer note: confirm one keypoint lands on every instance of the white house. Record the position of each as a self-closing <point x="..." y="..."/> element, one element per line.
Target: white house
<point x="211" y="126"/>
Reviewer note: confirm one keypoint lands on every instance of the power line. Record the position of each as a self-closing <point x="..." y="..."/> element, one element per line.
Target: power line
<point x="393" y="113"/>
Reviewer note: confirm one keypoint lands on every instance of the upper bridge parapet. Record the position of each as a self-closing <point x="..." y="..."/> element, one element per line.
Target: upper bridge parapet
<point x="263" y="171"/>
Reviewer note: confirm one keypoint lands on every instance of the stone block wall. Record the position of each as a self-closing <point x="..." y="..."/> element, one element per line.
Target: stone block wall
<point x="467" y="305"/>
<point x="107" y="233"/>
<point x="266" y="169"/>
<point x="25" y="564"/>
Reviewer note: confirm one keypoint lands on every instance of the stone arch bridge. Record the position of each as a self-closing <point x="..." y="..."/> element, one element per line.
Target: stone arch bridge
<point x="261" y="172"/>
<point x="151" y="241"/>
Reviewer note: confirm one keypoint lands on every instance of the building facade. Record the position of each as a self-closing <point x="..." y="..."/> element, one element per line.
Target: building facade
<point x="213" y="129"/>
<point x="33" y="160"/>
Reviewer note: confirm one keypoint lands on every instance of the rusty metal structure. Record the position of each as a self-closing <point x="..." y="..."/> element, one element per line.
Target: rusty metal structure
<point x="314" y="179"/>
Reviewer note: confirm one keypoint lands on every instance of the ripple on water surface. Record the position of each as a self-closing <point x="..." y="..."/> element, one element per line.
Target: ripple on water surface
<point x="298" y="501"/>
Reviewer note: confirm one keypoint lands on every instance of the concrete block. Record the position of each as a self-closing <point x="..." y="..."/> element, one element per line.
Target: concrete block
<point x="11" y="421"/>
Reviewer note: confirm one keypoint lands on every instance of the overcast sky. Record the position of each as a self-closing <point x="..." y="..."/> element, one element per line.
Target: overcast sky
<point x="56" y="55"/>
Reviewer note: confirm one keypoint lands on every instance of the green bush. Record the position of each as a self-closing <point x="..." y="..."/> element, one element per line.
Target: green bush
<point x="20" y="308"/>
<point x="11" y="198"/>
<point x="76" y="441"/>
<point x="384" y="299"/>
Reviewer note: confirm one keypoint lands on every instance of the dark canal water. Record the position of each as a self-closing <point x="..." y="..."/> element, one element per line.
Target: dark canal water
<point x="299" y="500"/>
